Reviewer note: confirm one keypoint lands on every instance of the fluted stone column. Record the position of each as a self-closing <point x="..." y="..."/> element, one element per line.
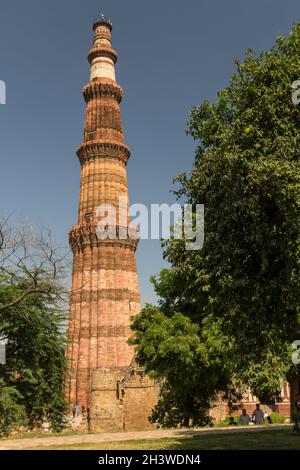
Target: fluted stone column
<point x="105" y="292"/>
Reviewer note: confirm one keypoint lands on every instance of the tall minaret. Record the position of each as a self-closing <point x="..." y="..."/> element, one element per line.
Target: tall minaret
<point x="105" y="291"/>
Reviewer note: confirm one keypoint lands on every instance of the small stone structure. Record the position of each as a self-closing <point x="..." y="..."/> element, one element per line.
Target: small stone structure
<point x="122" y="399"/>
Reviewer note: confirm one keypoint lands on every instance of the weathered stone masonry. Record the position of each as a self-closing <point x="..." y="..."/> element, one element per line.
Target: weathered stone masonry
<point x="105" y="292"/>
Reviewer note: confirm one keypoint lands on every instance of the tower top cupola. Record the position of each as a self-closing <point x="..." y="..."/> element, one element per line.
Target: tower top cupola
<point x="102" y="56"/>
<point x="102" y="20"/>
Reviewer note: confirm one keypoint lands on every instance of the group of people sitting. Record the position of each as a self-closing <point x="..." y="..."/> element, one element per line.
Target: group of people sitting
<point x="258" y="417"/>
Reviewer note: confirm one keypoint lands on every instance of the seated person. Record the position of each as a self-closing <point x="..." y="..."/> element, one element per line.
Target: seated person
<point x="231" y="421"/>
<point x="244" y="419"/>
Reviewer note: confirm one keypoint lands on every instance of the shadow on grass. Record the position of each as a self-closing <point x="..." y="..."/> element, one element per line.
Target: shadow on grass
<point x="275" y="440"/>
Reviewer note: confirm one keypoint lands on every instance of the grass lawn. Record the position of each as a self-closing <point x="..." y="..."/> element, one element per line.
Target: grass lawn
<point x="274" y="440"/>
<point x="40" y="435"/>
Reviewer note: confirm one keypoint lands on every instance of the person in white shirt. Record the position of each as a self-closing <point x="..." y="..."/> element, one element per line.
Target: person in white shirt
<point x="258" y="415"/>
<point x="244" y="419"/>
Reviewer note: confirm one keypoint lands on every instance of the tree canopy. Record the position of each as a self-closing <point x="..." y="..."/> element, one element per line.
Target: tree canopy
<point x="32" y="324"/>
<point x="228" y="313"/>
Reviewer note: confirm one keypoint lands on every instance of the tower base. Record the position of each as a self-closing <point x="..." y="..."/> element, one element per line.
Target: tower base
<point x="122" y="399"/>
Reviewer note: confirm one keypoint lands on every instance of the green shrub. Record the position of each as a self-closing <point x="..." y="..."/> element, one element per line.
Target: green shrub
<point x="226" y="420"/>
<point x="12" y="413"/>
<point x="277" y="418"/>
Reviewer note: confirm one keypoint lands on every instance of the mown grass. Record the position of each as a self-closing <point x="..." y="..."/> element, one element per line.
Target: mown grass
<point x="39" y="435"/>
<point x="262" y="440"/>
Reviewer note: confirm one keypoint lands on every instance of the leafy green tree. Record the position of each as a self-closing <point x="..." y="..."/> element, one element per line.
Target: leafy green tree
<point x="242" y="289"/>
<point x="12" y="413"/>
<point x="171" y="350"/>
<point x="32" y="323"/>
<point x="35" y="360"/>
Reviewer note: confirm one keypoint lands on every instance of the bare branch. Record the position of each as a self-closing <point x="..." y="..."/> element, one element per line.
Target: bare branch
<point x="31" y="263"/>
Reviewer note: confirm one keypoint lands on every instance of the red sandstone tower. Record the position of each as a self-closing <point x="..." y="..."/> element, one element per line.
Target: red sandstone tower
<point x="105" y="291"/>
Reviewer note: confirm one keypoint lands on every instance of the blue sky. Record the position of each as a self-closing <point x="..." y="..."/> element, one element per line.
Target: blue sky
<point x="173" y="54"/>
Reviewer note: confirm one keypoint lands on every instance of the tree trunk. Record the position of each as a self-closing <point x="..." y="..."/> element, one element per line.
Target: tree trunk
<point x="186" y="421"/>
<point x="294" y="390"/>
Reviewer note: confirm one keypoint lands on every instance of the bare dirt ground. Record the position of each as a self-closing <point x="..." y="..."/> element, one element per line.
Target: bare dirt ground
<point x="27" y="443"/>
